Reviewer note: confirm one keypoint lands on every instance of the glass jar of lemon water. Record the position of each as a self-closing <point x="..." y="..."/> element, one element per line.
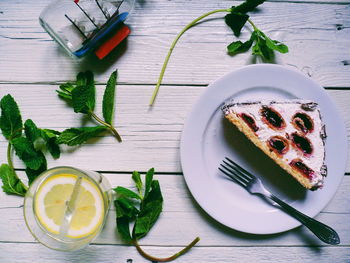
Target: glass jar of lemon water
<point x="65" y="208"/>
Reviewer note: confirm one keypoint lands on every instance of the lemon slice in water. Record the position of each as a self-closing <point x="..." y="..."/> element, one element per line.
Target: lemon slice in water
<point x="52" y="199"/>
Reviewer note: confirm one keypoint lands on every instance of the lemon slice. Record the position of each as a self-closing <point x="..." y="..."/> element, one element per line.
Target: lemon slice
<point x="52" y="200"/>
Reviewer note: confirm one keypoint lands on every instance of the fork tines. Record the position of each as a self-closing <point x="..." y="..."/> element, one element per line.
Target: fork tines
<point x="236" y="172"/>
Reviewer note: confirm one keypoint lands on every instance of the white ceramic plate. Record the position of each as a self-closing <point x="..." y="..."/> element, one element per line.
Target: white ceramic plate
<point x="207" y="138"/>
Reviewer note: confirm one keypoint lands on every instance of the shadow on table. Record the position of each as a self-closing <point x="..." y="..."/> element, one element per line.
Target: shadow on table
<point x="301" y="233"/>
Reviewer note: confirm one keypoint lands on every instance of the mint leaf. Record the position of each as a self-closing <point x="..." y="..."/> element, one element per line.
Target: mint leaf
<point x="137" y="179"/>
<point x="275" y="45"/>
<point x="149" y="180"/>
<point x="260" y="48"/>
<point x="83" y="96"/>
<point x="32" y="174"/>
<point x="76" y="136"/>
<point x="151" y="208"/>
<point x="33" y="133"/>
<point x="239" y="47"/>
<point x="122" y="191"/>
<point x="247" y="6"/>
<point x="50" y="137"/>
<point x="26" y="152"/>
<point x="10" y="119"/>
<point x="126" y="211"/>
<point x="236" y="21"/>
<point x="108" y="98"/>
<point x="31" y="130"/>
<point x="82" y="78"/>
<point x="11" y="184"/>
<point x="66" y="91"/>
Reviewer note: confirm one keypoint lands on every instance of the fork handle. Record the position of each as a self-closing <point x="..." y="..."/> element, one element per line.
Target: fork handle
<point x="322" y="231"/>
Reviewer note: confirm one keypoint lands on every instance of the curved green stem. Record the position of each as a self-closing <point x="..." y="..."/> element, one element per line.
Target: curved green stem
<point x="113" y="130"/>
<point x="155" y="92"/>
<point x="252" y="24"/>
<point x="9" y="160"/>
<point x="10" y="163"/>
<point x="176" y="255"/>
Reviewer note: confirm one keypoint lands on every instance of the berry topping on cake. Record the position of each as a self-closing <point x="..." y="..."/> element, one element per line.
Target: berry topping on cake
<point x="249" y="120"/>
<point x="302" y="143"/>
<point x="303" y="122"/>
<point x="290" y="132"/>
<point x="302" y="168"/>
<point x="278" y="144"/>
<point x="272" y="118"/>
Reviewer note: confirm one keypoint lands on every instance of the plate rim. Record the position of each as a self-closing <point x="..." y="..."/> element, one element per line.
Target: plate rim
<point x="209" y="90"/>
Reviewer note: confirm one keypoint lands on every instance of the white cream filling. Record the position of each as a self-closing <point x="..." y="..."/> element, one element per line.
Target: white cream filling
<point x="287" y="110"/>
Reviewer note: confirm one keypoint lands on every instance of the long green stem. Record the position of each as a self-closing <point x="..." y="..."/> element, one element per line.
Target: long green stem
<point x="252" y="24"/>
<point x="9" y="159"/>
<point x="114" y="131"/>
<point x="155" y="92"/>
<point x="176" y="255"/>
<point x="10" y="163"/>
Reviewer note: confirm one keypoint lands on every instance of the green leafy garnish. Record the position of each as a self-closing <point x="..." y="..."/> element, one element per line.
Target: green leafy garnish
<point x="143" y="208"/>
<point x="10" y="119"/>
<point x="82" y="97"/>
<point x="11" y="184"/>
<point x="236" y="19"/>
<point x="108" y="98"/>
<point x="24" y="145"/>
<point x="76" y="136"/>
<point x="25" y="150"/>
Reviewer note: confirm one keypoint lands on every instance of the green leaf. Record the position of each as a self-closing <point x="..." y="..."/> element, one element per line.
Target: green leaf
<point x="33" y="133"/>
<point x="82" y="79"/>
<point x="83" y="95"/>
<point x="239" y="47"/>
<point x="108" y="98"/>
<point x="275" y="45"/>
<point x="26" y="152"/>
<point x="76" y="136"/>
<point x="137" y="179"/>
<point x="126" y="212"/>
<point x="247" y="6"/>
<point x="149" y="179"/>
<point x="11" y="184"/>
<point x="236" y="21"/>
<point x="122" y="191"/>
<point x="150" y="211"/>
<point x="125" y="208"/>
<point x="124" y="228"/>
<point x="31" y="130"/>
<point x="10" y="119"/>
<point x="32" y="174"/>
<point x="51" y="140"/>
<point x="66" y="91"/>
<point x="260" y="48"/>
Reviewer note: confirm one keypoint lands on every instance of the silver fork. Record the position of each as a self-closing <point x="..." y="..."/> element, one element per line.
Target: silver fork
<point x="254" y="186"/>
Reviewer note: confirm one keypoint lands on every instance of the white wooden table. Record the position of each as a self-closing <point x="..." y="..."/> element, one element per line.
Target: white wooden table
<point x="32" y="65"/>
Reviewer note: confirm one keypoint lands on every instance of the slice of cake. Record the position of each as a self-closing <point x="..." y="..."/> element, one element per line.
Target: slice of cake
<point x="290" y="132"/>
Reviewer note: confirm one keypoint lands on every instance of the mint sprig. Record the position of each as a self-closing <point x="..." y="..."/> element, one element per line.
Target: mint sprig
<point x="25" y="145"/>
<point x="143" y="209"/>
<point x="236" y="19"/>
<point x="82" y="97"/>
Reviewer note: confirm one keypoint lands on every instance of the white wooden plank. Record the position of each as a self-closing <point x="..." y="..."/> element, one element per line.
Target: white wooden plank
<point x="151" y="136"/>
<point x="190" y="220"/>
<point x="127" y="254"/>
<point x="30" y="55"/>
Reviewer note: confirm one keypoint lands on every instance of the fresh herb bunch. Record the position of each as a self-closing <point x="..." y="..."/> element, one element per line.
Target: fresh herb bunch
<point x="143" y="208"/>
<point x="236" y="19"/>
<point x="28" y="146"/>
<point x="30" y="142"/>
<point x="81" y="95"/>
